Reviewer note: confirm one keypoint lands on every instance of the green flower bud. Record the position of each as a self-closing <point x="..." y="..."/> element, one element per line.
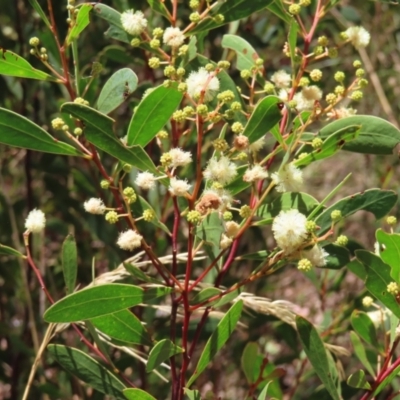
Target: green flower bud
<point x="111" y="217"/>
<point x="104" y="184"/>
<point x="336" y="215"/>
<point x="304" y="265"/>
<point x="245" y="211"/>
<point x="193" y="216"/>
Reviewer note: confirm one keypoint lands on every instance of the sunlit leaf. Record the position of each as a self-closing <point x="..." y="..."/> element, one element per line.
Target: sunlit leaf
<point x="378" y="277"/>
<point x="162" y="351"/>
<point x="390" y="253"/>
<point x="358" y="380"/>
<point x="137" y="394"/>
<point x="19" y="131"/>
<point x="12" y="64"/>
<point x="376" y="201"/>
<point x="120" y="85"/>
<point x="210" y="230"/>
<point x="365" y="328"/>
<point x="100" y="300"/>
<point x="377" y="136"/>
<point x="152" y="113"/>
<point x="99" y="131"/>
<point x="331" y="145"/>
<point x="122" y="325"/>
<point x="248" y="361"/>
<point x="264" y="117"/>
<point x="246" y="55"/>
<point x="81" y="22"/>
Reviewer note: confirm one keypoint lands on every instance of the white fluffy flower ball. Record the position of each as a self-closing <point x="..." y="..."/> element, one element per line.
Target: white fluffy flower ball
<point x="281" y="79"/>
<point x="289" y="229"/>
<point x="133" y="22"/>
<point x="94" y="206"/>
<point x="316" y="255"/>
<point x="145" y="180"/>
<point x="288" y="179"/>
<point x="255" y="173"/>
<point x="178" y="187"/>
<point x="35" y="221"/>
<point x="225" y="242"/>
<point x="129" y="240"/>
<point x="173" y="37"/>
<point x="358" y="36"/>
<point x="179" y="157"/>
<point x="220" y="170"/>
<point x="200" y="81"/>
<point x="311" y="93"/>
<point x="257" y="145"/>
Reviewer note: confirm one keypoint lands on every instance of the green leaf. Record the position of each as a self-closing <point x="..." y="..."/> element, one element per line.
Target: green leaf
<point x="316" y="353"/>
<point x="87" y="369"/>
<point x="159" y="6"/>
<point x="246" y="55"/>
<point x="260" y="255"/>
<point x="139" y="274"/>
<point x="19" y="131"/>
<point x="365" y="328"/>
<point x="82" y="21"/>
<point x="357" y="269"/>
<point x="292" y="40"/>
<point x="394" y="323"/>
<point x="228" y="298"/>
<point x="232" y="11"/>
<point x="249" y="367"/>
<point x="218" y="338"/>
<point x="377" y="201"/>
<point x="378" y="277"/>
<point x="358" y="380"/>
<point x="137" y="394"/>
<point x="377" y="136"/>
<point x="12" y="64"/>
<point x="210" y="230"/>
<point x="162" y="351"/>
<point x="139" y="206"/>
<point x="286" y="201"/>
<point x="113" y="17"/>
<point x="120" y="85"/>
<point x="391" y="253"/>
<point x="100" y="300"/>
<point x="338" y="256"/>
<point x="122" y="325"/>
<point x="192" y="394"/>
<point x="99" y="131"/>
<point x="69" y="262"/>
<point x="359" y="350"/>
<point x="331" y="145"/>
<point x="36" y="6"/>
<point x="9" y="251"/>
<point x="264" y="392"/>
<point x="266" y="114"/>
<point x="152" y="113"/>
<point x="205" y="294"/>
<point x="388" y="380"/>
<point x="277" y="8"/>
